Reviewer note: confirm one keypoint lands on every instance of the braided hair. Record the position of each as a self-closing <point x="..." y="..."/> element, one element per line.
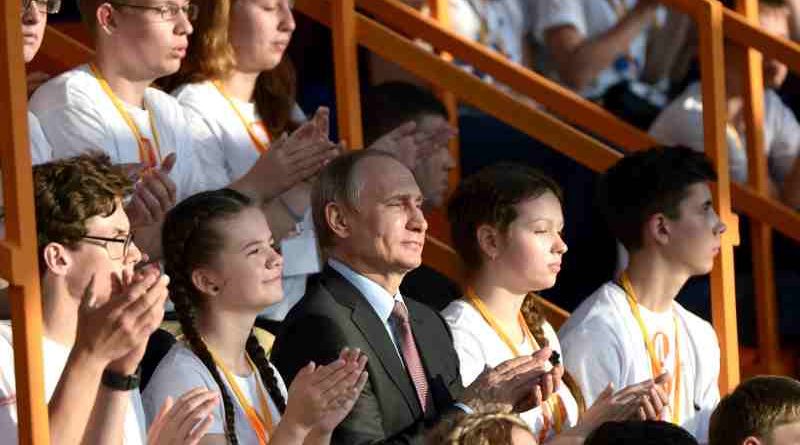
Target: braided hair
<point x="191" y="238"/>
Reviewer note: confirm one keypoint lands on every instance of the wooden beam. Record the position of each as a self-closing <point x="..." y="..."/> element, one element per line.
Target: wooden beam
<point x="19" y="265"/>
<point x="345" y="64"/>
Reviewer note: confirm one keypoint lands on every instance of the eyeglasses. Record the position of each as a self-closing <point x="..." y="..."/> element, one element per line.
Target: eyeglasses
<point x="44" y="6"/>
<point x="168" y="11"/>
<point x="117" y="248"/>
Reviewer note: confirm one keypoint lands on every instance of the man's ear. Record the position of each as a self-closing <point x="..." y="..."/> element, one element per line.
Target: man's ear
<point x="57" y="259"/>
<point x="488" y="240"/>
<point x="751" y="441"/>
<point x="337" y="218"/>
<point x="206" y="281"/>
<point x="105" y="18"/>
<point x="658" y="228"/>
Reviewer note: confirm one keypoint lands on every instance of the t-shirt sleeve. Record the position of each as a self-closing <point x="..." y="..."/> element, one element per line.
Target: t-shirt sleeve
<point x="76" y="128"/>
<point x="708" y="396"/>
<point x="594" y="359"/>
<point x="552" y="13"/>
<point x="41" y="151"/>
<point x="8" y="393"/>
<point x="174" y="376"/>
<point x="205" y="168"/>
<point x="471" y="357"/>
<point x="785" y="144"/>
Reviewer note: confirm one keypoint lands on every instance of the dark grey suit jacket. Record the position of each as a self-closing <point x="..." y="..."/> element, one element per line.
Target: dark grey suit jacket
<point x="334" y="314"/>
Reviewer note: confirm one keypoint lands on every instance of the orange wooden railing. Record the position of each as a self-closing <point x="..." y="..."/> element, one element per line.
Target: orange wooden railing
<point x="18" y="262"/>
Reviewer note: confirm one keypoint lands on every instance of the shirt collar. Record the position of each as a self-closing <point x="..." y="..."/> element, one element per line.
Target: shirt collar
<point x="380" y="299"/>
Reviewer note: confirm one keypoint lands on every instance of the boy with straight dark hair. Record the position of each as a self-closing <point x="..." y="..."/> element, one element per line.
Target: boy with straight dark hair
<point x="764" y="410"/>
<point x="658" y="203"/>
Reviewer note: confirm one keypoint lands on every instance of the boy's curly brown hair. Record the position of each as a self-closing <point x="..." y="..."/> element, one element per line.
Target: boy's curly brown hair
<point x="68" y="192"/>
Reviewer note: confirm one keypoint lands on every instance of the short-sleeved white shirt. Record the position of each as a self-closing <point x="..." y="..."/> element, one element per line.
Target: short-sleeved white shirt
<point x="55" y="359"/>
<point x="590" y="18"/>
<point x="41" y="151"/>
<point x="681" y="123"/>
<point x="507" y="23"/>
<point x="478" y="346"/>
<point x="181" y="370"/>
<point x="77" y="116"/>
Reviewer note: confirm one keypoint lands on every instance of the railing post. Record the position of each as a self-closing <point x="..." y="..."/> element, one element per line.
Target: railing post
<point x="345" y="62"/>
<point x="18" y="262"/>
<point x="440" y="10"/>
<point x="758" y="176"/>
<point x="723" y="291"/>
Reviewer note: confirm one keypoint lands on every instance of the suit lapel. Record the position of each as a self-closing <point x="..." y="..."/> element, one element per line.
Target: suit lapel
<point x="373" y="329"/>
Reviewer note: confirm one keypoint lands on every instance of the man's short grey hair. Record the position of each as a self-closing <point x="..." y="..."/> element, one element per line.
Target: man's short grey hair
<point x="339" y="182"/>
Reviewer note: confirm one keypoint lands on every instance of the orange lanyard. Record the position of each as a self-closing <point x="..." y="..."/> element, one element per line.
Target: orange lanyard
<point x="655" y="364"/>
<point x="554" y="405"/>
<point x="260" y="146"/>
<point x="147" y="155"/>
<point x="261" y="425"/>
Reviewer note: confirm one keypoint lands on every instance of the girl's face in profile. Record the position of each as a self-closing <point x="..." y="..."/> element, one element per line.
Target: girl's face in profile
<point x="260" y="31"/>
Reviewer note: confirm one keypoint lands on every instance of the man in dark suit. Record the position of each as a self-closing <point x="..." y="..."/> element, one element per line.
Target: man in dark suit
<point x="368" y="217"/>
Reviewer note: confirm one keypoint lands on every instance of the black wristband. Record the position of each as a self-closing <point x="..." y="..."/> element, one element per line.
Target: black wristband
<point x="121" y="382"/>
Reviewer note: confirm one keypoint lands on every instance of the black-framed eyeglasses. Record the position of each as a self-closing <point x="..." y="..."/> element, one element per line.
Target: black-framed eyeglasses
<point x="117" y="248"/>
<point x="45" y="6"/>
<point x="168" y="11"/>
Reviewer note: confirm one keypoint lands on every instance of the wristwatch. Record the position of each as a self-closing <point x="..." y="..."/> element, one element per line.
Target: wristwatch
<point x="121" y="382"/>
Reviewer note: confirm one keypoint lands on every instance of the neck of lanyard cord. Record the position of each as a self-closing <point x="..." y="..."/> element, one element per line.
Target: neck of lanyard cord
<point x="655" y="363"/>
<point x="147" y="155"/>
<point x="553" y="406"/>
<point x="261" y="425"/>
<point x="260" y="146"/>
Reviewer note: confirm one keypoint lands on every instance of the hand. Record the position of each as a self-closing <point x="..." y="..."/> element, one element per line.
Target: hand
<point x="610" y="406"/>
<point x="119" y="326"/>
<point x="654" y="403"/>
<point x="292" y="159"/>
<point x="411" y="143"/>
<point x="35" y="80"/>
<point x="154" y="195"/>
<point x="184" y="422"/>
<point x="547" y="385"/>
<point x="512" y="383"/>
<point x="316" y="389"/>
<point x="339" y="408"/>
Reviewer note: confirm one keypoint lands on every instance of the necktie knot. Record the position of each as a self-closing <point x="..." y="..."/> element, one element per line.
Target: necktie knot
<point x="400" y="312"/>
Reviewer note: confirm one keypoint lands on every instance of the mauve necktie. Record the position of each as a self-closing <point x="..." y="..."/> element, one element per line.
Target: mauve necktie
<point x="408" y="348"/>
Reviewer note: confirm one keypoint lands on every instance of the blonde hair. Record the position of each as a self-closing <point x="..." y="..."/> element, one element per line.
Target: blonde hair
<point x="210" y="56"/>
<point x="484" y="427"/>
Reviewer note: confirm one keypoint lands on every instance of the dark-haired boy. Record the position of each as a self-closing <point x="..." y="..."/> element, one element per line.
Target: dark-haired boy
<point x="764" y="410"/>
<point x="658" y="203"/>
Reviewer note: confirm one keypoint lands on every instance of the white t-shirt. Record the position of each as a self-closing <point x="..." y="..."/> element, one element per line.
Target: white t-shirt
<point x="591" y="18"/>
<point x="507" y="23"/>
<point x="681" y="123"/>
<point x="603" y="343"/>
<point x="41" y="151"/>
<point x="181" y="370"/>
<point x="478" y="346"/>
<point x="79" y="116"/>
<point x="213" y="113"/>
<point x="55" y="356"/>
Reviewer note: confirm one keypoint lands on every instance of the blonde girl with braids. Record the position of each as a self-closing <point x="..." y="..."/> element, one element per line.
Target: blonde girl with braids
<point x="219" y="252"/>
<point x="506" y="223"/>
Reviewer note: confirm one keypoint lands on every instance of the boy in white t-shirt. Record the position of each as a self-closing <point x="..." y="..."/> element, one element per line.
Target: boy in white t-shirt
<point x="109" y="105"/>
<point x="98" y="314"/>
<point x="658" y="203"/>
<point x="681" y="123"/>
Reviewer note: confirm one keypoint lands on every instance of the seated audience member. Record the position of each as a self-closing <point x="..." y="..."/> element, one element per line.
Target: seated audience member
<point x="368" y="216"/>
<point x="640" y="433"/>
<point x="98" y="313"/>
<point x="658" y="204"/>
<point x="681" y="123"/>
<point x="220" y="254"/>
<point x="598" y="48"/>
<point x="506" y="222"/>
<point x="34" y="21"/>
<point x="387" y="106"/>
<point x="109" y="105"/>
<point x="762" y="410"/>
